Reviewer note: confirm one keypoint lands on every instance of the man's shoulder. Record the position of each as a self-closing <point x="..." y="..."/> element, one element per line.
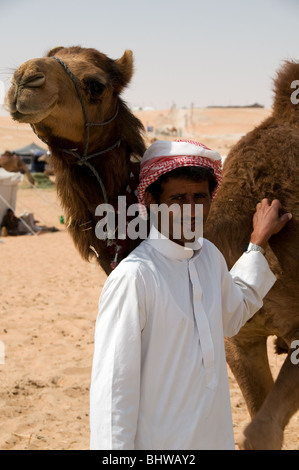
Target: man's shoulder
<point x="209" y="247"/>
<point x="212" y="253"/>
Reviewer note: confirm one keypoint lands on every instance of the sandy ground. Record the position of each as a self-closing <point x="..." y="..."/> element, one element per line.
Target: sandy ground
<point x="48" y="305"/>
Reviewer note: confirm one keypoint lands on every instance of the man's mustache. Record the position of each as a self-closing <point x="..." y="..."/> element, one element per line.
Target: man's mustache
<point x="188" y="220"/>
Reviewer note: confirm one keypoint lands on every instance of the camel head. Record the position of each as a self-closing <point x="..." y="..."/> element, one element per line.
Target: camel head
<point x="72" y="100"/>
<point x="43" y="94"/>
<point x="286" y="89"/>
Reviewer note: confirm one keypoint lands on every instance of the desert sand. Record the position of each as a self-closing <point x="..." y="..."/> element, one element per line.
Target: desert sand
<point x="49" y="297"/>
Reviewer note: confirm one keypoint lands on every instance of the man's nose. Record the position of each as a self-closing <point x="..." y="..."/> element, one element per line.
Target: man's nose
<point x="193" y="207"/>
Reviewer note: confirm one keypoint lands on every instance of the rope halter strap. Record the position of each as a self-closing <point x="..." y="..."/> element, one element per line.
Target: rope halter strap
<point x="83" y="159"/>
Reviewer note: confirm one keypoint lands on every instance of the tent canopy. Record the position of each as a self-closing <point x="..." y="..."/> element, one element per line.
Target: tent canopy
<point x="30" y="154"/>
<point x="31" y="150"/>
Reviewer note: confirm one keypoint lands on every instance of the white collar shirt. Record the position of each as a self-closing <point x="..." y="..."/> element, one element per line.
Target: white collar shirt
<point x="159" y="378"/>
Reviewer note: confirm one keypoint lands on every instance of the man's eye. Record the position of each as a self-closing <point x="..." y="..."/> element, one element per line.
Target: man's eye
<point x="177" y="200"/>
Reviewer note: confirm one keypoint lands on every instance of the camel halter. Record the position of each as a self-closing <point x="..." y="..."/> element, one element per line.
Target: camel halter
<point x="83" y="160"/>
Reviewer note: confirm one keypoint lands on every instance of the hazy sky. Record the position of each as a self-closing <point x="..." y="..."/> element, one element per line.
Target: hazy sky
<point x="212" y="52"/>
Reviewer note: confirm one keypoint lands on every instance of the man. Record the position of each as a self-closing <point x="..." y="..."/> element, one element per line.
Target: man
<point x="13" y="225"/>
<point x="159" y="378"/>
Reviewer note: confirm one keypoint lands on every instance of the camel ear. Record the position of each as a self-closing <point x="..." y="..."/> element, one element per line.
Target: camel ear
<point x="53" y="52"/>
<point x="125" y="70"/>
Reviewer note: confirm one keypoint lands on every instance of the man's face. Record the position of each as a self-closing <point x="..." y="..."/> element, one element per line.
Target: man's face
<point x="184" y="194"/>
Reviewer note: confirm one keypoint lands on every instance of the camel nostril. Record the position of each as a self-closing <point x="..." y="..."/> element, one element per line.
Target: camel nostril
<point x="34" y="81"/>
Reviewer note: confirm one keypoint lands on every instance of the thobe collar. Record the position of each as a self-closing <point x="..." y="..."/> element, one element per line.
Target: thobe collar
<point x="170" y="249"/>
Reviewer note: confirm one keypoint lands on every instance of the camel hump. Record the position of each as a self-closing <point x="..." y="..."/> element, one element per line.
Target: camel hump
<point x="286" y="89"/>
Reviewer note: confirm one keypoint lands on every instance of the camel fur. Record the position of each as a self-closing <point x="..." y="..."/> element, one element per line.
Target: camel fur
<point x="265" y="163"/>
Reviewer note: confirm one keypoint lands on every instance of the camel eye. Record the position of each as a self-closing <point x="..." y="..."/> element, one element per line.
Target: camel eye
<point x="94" y="87"/>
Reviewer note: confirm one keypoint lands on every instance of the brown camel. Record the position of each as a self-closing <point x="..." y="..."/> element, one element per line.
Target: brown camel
<point x="71" y="99"/>
<point x="265" y="163"/>
<point x="49" y="94"/>
<point x="12" y="162"/>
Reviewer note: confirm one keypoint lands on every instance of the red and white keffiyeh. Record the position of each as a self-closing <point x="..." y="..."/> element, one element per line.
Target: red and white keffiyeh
<point x="164" y="156"/>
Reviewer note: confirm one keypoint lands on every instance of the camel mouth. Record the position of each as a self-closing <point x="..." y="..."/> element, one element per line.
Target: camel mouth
<point x="31" y="117"/>
<point x="17" y="116"/>
<point x="27" y="104"/>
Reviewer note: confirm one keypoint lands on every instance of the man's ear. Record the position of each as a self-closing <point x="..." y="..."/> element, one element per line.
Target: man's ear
<point x="149" y="199"/>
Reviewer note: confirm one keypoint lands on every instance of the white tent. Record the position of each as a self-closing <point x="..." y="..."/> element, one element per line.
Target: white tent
<point x="8" y="190"/>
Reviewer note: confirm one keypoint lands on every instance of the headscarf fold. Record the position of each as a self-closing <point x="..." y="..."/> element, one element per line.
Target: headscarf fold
<point x="164" y="156"/>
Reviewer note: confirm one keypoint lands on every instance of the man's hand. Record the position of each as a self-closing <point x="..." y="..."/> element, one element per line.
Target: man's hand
<point x="267" y="221"/>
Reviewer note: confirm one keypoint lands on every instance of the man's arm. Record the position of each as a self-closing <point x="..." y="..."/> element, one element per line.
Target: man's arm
<point x="115" y="385"/>
<point x="250" y="279"/>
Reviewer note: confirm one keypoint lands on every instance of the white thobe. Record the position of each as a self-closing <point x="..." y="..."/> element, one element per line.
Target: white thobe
<point x="159" y="377"/>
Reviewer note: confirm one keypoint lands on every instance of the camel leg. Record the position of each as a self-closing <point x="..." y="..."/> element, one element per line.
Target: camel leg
<point x="265" y="432"/>
<point x="248" y="361"/>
